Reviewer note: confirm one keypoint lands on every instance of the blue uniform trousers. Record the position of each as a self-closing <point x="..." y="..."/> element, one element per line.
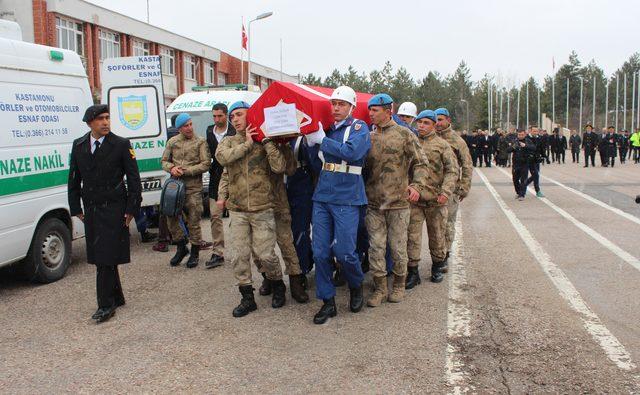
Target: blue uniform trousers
<point x="335" y="230"/>
<point x="301" y="208"/>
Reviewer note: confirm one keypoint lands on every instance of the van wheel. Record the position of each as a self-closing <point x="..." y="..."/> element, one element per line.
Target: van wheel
<point x="50" y="252"/>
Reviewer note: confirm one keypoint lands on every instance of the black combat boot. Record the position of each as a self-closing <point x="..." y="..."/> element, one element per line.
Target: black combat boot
<point x="279" y="290"/>
<point x="265" y="288"/>
<point x="247" y="304"/>
<point x="445" y="264"/>
<point x="194" y="257"/>
<point x="298" y="292"/>
<point x="356" y="300"/>
<point x="181" y="252"/>
<point x="413" y="277"/>
<point x="327" y="310"/>
<point x="436" y="272"/>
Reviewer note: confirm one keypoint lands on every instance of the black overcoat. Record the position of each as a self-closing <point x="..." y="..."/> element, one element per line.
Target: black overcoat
<point x="98" y="180"/>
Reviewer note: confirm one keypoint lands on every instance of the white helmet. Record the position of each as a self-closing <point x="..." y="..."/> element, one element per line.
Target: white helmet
<point x="344" y="93"/>
<point x="409" y="109"/>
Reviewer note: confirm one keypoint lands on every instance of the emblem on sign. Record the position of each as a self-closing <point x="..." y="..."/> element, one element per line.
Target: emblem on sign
<point x="133" y="111"/>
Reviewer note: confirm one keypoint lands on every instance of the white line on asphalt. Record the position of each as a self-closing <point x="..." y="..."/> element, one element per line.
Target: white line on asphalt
<point x="594" y="326"/>
<point x="595" y="201"/>
<point x="458" y="316"/>
<point x="606" y="243"/>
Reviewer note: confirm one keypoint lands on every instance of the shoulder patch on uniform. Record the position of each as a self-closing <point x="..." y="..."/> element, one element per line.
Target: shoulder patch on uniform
<point x="132" y="153"/>
<point x="357" y="127"/>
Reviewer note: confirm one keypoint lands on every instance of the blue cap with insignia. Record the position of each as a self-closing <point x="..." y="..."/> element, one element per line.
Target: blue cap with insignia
<point x="442" y="111"/>
<point x="427" y="114"/>
<point x="182" y="119"/>
<point x="381" y="99"/>
<point x="238" y="105"/>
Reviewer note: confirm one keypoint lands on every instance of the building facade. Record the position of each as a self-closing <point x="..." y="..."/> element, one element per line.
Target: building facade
<point x="97" y="33"/>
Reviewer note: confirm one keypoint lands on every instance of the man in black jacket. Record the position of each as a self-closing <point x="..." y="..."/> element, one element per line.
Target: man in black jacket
<point x="99" y="162"/>
<point x="558" y="145"/>
<point x="608" y="149"/>
<point x="215" y="133"/>
<point x="590" y="142"/>
<point x="575" y="141"/>
<point x="523" y="155"/>
<point x="540" y="156"/>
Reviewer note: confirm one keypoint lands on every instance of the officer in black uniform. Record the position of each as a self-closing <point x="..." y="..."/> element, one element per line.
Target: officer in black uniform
<point x="590" y="142"/>
<point x="100" y="160"/>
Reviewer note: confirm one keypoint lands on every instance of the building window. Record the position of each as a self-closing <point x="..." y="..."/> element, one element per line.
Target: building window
<point x="208" y="72"/>
<point x="253" y="80"/>
<point x="109" y="44"/>
<point x="264" y="84"/>
<point x="190" y="67"/>
<point x="167" y="61"/>
<point x="140" y="48"/>
<point x="70" y="35"/>
<point x="222" y="79"/>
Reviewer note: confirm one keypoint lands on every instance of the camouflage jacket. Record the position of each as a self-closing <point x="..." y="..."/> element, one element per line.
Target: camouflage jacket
<point x="465" y="163"/>
<point x="249" y="166"/>
<point x="190" y="154"/>
<point x="443" y="166"/>
<point x="394" y="162"/>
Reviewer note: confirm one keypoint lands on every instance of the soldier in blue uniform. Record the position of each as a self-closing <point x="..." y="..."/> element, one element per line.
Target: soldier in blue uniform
<point x="300" y="188"/>
<point x="337" y="200"/>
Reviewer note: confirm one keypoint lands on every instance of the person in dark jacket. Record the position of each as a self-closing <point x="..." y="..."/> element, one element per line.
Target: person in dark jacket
<point x="590" y="143"/>
<point x="540" y="156"/>
<point x="608" y="149"/>
<point x="99" y="163"/>
<point x="215" y="133"/>
<point x="523" y="154"/>
<point x="575" y="141"/>
<point x="558" y="146"/>
<point x="485" y="144"/>
<point x="623" y="145"/>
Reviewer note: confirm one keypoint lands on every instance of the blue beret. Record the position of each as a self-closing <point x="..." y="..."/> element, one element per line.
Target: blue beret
<point x="427" y="114"/>
<point x="237" y="105"/>
<point x="381" y="99"/>
<point x="442" y="111"/>
<point x="182" y="119"/>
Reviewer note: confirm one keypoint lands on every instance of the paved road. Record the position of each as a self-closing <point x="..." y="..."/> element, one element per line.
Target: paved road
<point x="543" y="296"/>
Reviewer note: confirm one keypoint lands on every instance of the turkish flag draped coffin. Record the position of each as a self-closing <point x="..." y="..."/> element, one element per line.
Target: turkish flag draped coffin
<point x="312" y="105"/>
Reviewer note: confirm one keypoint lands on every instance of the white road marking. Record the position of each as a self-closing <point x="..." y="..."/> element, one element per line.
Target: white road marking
<point x="614" y="350"/>
<point x="593" y="200"/>
<point x="458" y="316"/>
<point x="606" y="243"/>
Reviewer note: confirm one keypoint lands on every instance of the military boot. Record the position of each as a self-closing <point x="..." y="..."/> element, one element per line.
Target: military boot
<point x="356" y="299"/>
<point x="436" y="272"/>
<point x="279" y="290"/>
<point x="298" y="292"/>
<point x="265" y="288"/>
<point x="445" y="264"/>
<point x="194" y="257"/>
<point x="247" y="304"/>
<point x="397" y="292"/>
<point x="413" y="277"/>
<point x="327" y="310"/>
<point x="181" y="252"/>
<point x="380" y="294"/>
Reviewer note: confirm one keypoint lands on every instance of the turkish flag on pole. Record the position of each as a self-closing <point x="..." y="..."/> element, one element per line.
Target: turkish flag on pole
<point x="244" y="37"/>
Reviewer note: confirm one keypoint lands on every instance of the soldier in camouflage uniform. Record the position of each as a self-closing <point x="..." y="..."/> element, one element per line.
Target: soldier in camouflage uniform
<point x="186" y="157"/>
<point x="460" y="149"/>
<point x="284" y="235"/>
<point x="396" y="173"/>
<point x="443" y="174"/>
<point x="250" y="202"/>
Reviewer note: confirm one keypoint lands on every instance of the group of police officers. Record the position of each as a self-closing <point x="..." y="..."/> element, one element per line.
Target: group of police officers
<point x="345" y="199"/>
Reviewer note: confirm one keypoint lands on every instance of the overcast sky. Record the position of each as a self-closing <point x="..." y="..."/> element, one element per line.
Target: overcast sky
<point x="510" y="38"/>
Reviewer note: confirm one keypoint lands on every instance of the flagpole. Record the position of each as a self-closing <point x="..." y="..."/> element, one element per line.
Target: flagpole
<point x="527" y="103"/>
<point x="518" y="109"/>
<point x="593" y="106"/>
<point x="566" y="123"/>
<point x="539" y="115"/>
<point x="606" y="104"/>
<point x="581" y="89"/>
<point x="508" y="100"/>
<point x="617" y="99"/>
<point x="633" y="101"/>
<point x="624" y="104"/>
<point x="553" y="94"/>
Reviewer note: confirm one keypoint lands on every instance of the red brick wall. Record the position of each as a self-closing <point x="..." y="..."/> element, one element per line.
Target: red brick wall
<point x="179" y="71"/>
<point x="231" y="67"/>
<point x="88" y="50"/>
<point x="200" y="70"/>
<point x="39" y="21"/>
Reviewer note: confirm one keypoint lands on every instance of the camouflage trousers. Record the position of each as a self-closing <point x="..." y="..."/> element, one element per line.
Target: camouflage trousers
<point x="193" y="206"/>
<point x="217" y="232"/>
<point x="284" y="238"/>
<point x="387" y="227"/>
<point x="452" y="208"/>
<point x="253" y="233"/>
<point x="436" y="218"/>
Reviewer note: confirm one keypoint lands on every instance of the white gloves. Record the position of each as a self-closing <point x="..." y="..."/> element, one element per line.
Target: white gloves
<point x="316" y="137"/>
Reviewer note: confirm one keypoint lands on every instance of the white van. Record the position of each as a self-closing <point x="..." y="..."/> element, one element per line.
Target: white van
<point x="43" y="94"/>
<point x="199" y="105"/>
